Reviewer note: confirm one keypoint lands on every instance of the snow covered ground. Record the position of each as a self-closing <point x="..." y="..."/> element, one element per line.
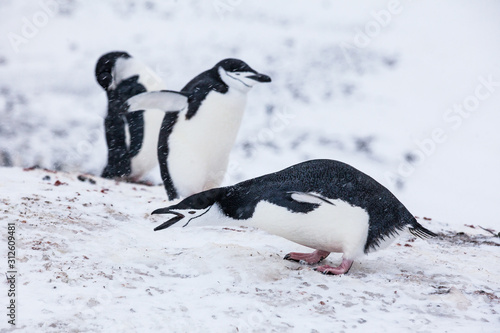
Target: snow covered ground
<point x="89" y="262"/>
<point x="406" y="91"/>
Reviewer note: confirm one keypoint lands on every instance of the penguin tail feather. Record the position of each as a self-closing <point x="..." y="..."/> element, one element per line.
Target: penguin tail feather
<point x="418" y="230"/>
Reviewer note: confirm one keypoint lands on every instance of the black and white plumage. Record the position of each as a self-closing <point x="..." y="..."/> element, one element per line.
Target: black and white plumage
<point x="326" y="205"/>
<point x="131" y="138"/>
<point x="197" y="137"/>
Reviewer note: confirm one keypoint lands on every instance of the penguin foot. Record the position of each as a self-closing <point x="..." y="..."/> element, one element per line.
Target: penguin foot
<point x="343" y="268"/>
<point x="144" y="182"/>
<point x="307" y="258"/>
<point x="137" y="180"/>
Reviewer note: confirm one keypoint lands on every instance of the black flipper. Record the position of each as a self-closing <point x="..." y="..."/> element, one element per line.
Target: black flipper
<point x="166" y="129"/>
<point x="118" y="161"/>
<point x="135" y="121"/>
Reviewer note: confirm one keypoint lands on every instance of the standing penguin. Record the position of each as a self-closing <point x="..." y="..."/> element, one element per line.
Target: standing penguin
<point x="131" y="138"/>
<point x="195" y="142"/>
<point x="326" y="205"/>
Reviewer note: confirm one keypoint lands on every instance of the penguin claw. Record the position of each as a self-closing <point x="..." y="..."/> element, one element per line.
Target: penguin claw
<point x="307" y="258"/>
<point x="343" y="268"/>
<point x="322" y="272"/>
<point x="300" y="261"/>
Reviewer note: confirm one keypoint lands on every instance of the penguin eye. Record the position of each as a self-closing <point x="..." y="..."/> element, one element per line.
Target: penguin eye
<point x="191" y="212"/>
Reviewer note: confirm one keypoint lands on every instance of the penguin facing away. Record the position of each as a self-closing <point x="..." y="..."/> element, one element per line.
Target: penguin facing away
<point x="196" y="139"/>
<point x="131" y="138"/>
<point x="326" y="205"/>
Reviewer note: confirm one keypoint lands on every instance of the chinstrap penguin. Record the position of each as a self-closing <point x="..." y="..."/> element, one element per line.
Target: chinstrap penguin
<point x="131" y="138"/>
<point x="195" y="141"/>
<point x="326" y="205"/>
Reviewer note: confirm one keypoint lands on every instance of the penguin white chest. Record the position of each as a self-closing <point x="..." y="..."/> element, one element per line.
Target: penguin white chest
<point x="199" y="147"/>
<point x="334" y="228"/>
<point x="147" y="158"/>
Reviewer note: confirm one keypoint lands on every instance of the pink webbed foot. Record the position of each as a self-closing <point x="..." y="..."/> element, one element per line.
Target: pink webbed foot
<point x="307" y="258"/>
<point x="343" y="268"/>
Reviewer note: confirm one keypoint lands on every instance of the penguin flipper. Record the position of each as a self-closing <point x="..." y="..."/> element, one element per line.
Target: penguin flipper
<point x="165" y="100"/>
<point x="309" y="197"/>
<point x="118" y="158"/>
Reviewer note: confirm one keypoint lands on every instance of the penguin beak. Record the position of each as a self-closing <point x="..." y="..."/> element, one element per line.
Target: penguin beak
<point x="172" y="221"/>
<point x="260" y="77"/>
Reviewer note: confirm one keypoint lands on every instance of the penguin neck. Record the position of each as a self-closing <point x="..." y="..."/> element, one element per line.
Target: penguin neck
<point x="214" y="215"/>
<point x="233" y="101"/>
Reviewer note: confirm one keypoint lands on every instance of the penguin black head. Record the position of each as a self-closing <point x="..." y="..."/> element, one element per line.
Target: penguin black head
<point x="104" y="67"/>
<point x="237" y="74"/>
<point x="190" y="208"/>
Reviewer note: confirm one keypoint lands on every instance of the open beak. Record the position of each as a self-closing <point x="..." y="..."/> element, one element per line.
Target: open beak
<point x="173" y="220"/>
<point x="260" y="77"/>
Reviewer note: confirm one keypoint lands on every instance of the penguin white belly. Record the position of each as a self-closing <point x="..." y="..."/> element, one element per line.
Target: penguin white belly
<point x="199" y="147"/>
<point x="333" y="228"/>
<point x="147" y="158"/>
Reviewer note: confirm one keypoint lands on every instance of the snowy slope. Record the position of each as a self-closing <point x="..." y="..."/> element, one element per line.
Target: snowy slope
<point x="89" y="261"/>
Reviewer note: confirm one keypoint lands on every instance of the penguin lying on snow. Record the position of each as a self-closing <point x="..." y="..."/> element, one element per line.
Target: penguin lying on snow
<point x="131" y="138"/>
<point x="196" y="139"/>
<point x="322" y="204"/>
